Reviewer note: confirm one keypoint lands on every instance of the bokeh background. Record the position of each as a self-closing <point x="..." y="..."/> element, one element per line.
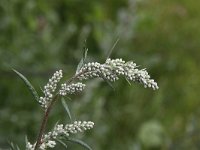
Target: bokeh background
<point x="39" y="37"/>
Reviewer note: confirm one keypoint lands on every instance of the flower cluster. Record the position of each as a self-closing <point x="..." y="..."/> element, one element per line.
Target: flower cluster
<point x="48" y="140"/>
<point x="50" y="88"/>
<point x="29" y="146"/>
<point x="113" y="68"/>
<point x="71" y="89"/>
<point x="60" y="129"/>
<point x="43" y="146"/>
<point x="48" y="144"/>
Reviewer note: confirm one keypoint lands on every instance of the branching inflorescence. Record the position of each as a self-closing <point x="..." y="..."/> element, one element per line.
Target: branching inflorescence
<point x="71" y="89"/>
<point x="50" y="88"/>
<point x="111" y="71"/>
<point x="49" y="139"/>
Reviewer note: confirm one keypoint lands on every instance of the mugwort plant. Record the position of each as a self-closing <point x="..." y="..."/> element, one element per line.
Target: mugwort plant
<point x="110" y="71"/>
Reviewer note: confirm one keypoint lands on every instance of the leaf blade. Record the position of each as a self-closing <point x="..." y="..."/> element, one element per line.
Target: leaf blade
<point x="62" y="143"/>
<point x="107" y="81"/>
<point x="111" y="50"/>
<point x="77" y="141"/>
<point x="29" y="85"/>
<point x="128" y="81"/>
<point x="66" y="108"/>
<point x="13" y="146"/>
<point x="26" y="139"/>
<point x="82" y="61"/>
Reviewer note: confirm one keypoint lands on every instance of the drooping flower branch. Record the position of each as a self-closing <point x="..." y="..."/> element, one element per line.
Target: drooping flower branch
<point x="49" y="139"/>
<point x="50" y="88"/>
<point x="111" y="71"/>
<point x="71" y="89"/>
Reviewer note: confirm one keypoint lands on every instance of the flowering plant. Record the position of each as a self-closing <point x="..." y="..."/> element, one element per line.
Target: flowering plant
<point x="53" y="91"/>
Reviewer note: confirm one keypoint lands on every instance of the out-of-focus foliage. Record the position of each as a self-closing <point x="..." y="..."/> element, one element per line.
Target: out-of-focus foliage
<point x="39" y="37"/>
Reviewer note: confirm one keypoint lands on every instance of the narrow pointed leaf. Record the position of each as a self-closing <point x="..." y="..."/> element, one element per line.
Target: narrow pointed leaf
<point x="12" y="147"/>
<point x="17" y="147"/>
<point x="69" y="98"/>
<point x="56" y="123"/>
<point x="113" y="47"/>
<point x="28" y="84"/>
<point x="108" y="82"/>
<point x="62" y="143"/>
<point x="128" y="81"/>
<point x="82" y="62"/>
<point x="26" y="139"/>
<point x="77" y="141"/>
<point x="66" y="108"/>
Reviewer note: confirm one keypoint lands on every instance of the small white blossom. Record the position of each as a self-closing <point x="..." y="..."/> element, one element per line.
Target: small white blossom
<point x="112" y="69"/>
<point x="48" y="144"/>
<point x="29" y="146"/>
<point x="78" y="126"/>
<point x="50" y="88"/>
<point x="60" y="129"/>
<point x="43" y="146"/>
<point x="48" y="140"/>
<point x="71" y="89"/>
<point x="51" y="144"/>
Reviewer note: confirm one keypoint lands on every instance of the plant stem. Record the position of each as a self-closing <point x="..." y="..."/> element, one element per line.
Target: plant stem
<point x="75" y="77"/>
<point x="47" y="112"/>
<point x="44" y="122"/>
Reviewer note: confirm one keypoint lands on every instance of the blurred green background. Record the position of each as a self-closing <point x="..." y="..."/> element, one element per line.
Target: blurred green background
<point x="38" y="37"/>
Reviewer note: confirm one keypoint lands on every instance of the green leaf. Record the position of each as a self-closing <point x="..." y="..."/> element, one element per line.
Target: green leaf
<point x="13" y="146"/>
<point x="17" y="147"/>
<point x="29" y="85"/>
<point x="56" y="123"/>
<point x="107" y="81"/>
<point x="66" y="108"/>
<point x="113" y="47"/>
<point x="62" y="143"/>
<point x="128" y="81"/>
<point x="26" y="139"/>
<point x="77" y="141"/>
<point x="82" y="62"/>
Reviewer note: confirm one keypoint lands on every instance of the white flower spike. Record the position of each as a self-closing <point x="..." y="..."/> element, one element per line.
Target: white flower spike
<point x="112" y="69"/>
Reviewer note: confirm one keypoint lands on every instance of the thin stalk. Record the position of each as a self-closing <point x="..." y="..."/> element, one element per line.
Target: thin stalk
<point x="44" y="122"/>
<point x="75" y="77"/>
<point x="47" y="112"/>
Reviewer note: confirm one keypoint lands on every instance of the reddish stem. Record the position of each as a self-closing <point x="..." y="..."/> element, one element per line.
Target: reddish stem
<point x="47" y="112"/>
<point x="44" y="122"/>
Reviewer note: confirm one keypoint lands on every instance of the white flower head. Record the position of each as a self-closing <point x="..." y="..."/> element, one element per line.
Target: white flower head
<point x="60" y="129"/>
<point x="50" y="88"/>
<point x="71" y="89"/>
<point x="29" y="146"/>
<point x="112" y="69"/>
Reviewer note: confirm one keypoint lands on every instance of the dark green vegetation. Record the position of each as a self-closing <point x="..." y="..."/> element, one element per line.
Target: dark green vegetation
<point x="38" y="37"/>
